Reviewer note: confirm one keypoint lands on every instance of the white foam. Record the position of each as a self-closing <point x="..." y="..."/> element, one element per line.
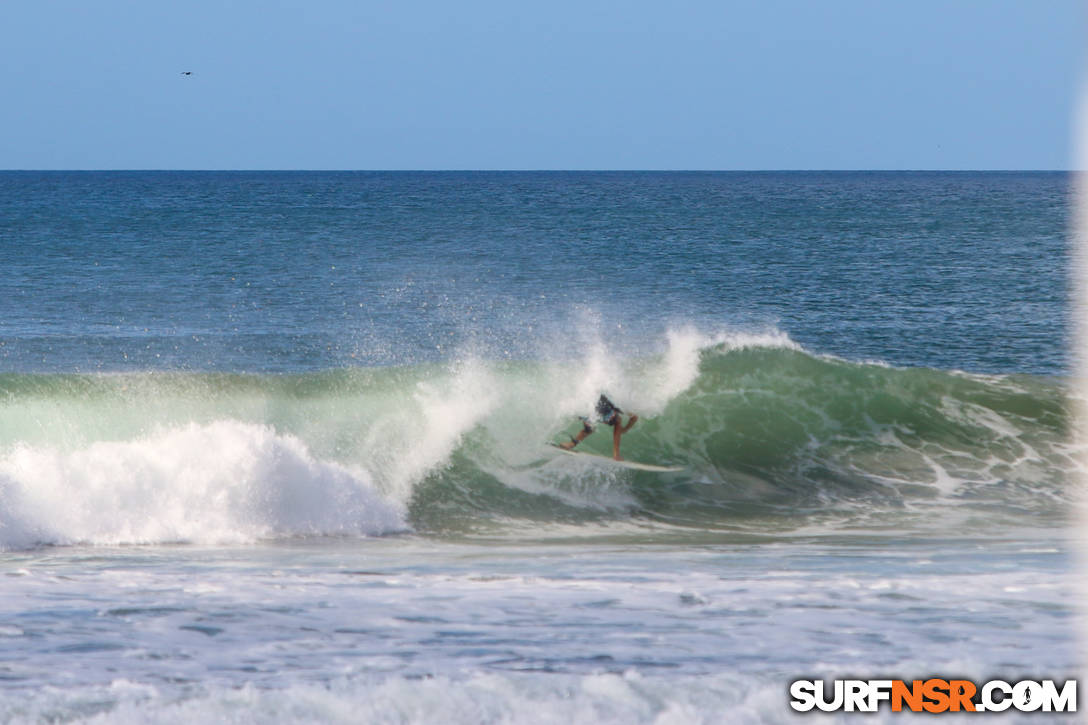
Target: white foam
<point x="225" y="481"/>
<point x="474" y="698"/>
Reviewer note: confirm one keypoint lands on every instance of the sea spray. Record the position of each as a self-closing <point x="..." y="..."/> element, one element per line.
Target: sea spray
<point x="417" y="433"/>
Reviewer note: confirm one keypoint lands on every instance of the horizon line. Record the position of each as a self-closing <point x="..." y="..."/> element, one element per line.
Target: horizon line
<point x="532" y="170"/>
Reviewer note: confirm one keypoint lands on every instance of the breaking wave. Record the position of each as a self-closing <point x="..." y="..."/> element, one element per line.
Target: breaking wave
<point x="770" y="436"/>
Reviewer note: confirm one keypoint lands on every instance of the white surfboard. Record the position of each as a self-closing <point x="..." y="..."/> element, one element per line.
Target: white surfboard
<point x="635" y="465"/>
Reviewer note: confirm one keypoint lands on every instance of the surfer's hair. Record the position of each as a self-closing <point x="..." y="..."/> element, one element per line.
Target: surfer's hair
<point x="606" y="411"/>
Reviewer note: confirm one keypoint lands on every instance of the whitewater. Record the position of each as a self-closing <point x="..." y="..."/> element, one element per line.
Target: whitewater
<point x="274" y="446"/>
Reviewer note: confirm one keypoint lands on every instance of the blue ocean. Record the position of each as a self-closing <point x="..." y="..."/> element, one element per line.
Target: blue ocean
<point x="274" y="445"/>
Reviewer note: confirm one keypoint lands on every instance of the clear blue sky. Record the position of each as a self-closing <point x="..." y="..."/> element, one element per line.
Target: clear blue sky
<point x="562" y="84"/>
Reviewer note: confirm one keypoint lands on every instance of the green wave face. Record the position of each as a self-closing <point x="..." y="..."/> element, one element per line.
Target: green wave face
<point x="777" y="438"/>
<point x="771" y="439"/>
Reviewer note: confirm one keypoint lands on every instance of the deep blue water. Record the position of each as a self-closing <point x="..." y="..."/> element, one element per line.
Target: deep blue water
<point x="295" y="271"/>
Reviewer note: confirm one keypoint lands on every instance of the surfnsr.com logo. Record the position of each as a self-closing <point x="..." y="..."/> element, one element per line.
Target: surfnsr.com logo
<point x="934" y="695"/>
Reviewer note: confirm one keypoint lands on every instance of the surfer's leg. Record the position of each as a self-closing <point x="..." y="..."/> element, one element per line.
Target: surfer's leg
<point x="575" y="440"/>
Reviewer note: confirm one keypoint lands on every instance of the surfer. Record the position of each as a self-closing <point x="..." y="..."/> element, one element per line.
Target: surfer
<point x="608" y="414"/>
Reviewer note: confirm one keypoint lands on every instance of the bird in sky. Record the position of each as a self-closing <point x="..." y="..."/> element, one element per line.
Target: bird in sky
<point x="186" y="72"/>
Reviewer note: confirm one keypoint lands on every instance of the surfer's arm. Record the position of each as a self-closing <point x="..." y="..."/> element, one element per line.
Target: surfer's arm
<point x="630" y="423"/>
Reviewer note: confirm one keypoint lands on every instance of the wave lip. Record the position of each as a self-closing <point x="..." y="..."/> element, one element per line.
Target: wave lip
<point x="222" y="482"/>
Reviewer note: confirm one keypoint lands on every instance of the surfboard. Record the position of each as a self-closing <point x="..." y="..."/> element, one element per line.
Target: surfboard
<point x="634" y="465"/>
